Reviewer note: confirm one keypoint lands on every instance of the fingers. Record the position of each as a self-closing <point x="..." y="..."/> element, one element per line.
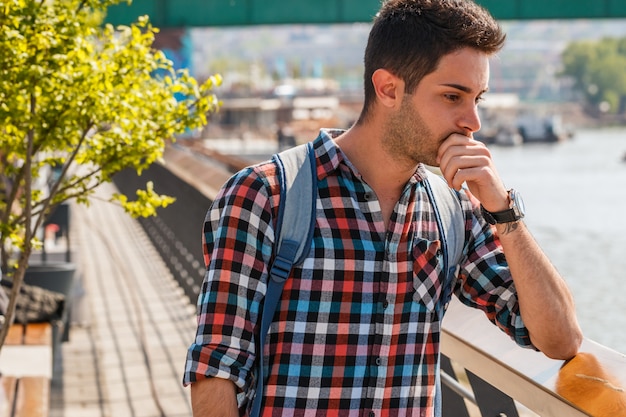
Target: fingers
<point x="470" y="175"/>
<point x="463" y="159"/>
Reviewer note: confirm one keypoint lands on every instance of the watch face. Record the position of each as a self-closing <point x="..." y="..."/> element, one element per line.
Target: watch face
<point x="518" y="204"/>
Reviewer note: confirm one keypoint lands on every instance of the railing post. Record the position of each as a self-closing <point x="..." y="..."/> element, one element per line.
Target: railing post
<point x="490" y="400"/>
<point x="453" y="404"/>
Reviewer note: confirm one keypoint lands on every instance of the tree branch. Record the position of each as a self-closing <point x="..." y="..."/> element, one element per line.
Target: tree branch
<point x="18" y="278"/>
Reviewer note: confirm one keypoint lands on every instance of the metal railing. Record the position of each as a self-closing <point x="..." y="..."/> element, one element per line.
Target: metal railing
<point x="501" y="375"/>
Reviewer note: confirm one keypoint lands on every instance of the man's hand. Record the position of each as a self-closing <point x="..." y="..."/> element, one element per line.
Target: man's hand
<point x="546" y="304"/>
<point x="465" y="160"/>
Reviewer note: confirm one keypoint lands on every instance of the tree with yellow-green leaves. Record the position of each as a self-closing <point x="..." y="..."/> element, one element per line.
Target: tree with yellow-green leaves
<point x="86" y="101"/>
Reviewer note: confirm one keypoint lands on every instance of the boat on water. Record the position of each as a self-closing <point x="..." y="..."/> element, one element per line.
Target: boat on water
<point x="501" y="135"/>
<point x="543" y="129"/>
<point x="507" y="122"/>
<point x="547" y="130"/>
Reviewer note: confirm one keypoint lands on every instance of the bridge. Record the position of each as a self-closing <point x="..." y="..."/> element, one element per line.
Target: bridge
<point x="202" y="13"/>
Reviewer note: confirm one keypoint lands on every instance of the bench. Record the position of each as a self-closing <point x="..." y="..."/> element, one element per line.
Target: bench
<point x="26" y="365"/>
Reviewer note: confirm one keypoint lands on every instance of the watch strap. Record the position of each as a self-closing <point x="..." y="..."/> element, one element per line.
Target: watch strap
<point x="504" y="216"/>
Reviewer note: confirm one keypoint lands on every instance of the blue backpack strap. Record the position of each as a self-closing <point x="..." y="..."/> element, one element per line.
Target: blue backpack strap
<point x="294" y="233"/>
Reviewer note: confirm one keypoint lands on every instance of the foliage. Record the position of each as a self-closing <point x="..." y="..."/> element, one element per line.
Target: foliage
<point x="79" y="102"/>
<point x="597" y="69"/>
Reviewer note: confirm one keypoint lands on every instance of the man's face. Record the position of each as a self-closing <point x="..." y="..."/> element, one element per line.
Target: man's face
<point x="444" y="102"/>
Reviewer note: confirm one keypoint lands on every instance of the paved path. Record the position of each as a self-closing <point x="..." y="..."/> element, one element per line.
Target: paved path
<point x="126" y="357"/>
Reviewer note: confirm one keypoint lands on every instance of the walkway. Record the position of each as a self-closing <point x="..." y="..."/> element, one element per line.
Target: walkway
<point x="126" y="356"/>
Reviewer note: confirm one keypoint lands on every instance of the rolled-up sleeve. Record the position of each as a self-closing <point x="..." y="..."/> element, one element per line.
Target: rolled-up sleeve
<point x="237" y="242"/>
<point x="485" y="280"/>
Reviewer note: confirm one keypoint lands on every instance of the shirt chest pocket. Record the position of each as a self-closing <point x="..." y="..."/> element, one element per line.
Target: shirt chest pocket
<point x="428" y="276"/>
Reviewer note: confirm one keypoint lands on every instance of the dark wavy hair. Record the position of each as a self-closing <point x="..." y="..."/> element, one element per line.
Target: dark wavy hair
<point x="409" y="37"/>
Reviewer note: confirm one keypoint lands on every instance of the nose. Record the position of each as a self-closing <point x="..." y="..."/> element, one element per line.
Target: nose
<point x="470" y="121"/>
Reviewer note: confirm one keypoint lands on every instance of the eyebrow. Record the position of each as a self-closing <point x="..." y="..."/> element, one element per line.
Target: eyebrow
<point x="463" y="88"/>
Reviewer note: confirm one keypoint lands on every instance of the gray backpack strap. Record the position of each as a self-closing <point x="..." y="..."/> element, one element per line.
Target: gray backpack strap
<point x="296" y="217"/>
<point x="451" y="224"/>
<point x="450" y="220"/>
<point x="294" y="232"/>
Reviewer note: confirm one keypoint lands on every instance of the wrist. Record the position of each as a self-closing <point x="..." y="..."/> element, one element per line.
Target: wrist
<point x="513" y="213"/>
<point x="504" y="229"/>
<point x="501" y="204"/>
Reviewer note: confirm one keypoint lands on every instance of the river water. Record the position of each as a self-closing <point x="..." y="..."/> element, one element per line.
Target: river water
<point x="575" y="196"/>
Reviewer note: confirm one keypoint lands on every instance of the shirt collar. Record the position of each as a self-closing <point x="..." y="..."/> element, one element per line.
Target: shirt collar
<point x="329" y="156"/>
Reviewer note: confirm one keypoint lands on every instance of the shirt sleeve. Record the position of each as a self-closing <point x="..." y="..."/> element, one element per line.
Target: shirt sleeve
<point x="238" y="236"/>
<point x="485" y="280"/>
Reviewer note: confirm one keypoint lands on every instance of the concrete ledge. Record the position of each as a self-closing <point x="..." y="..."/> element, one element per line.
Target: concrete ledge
<point x="194" y="170"/>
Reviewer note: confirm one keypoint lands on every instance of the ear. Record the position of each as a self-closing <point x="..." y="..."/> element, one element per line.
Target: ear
<point x="389" y="88"/>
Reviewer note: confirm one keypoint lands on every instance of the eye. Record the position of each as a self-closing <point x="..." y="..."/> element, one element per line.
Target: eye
<point x="479" y="99"/>
<point x="451" y="97"/>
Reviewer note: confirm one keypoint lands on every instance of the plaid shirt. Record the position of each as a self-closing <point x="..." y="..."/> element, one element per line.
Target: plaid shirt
<point x="358" y="327"/>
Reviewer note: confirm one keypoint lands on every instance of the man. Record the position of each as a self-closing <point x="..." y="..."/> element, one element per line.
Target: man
<point x="357" y="330"/>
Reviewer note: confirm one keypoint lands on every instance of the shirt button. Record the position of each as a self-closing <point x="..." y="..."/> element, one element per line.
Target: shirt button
<point x="378" y="361"/>
<point x="385" y="304"/>
<point x="368" y="196"/>
<point x="372" y="414"/>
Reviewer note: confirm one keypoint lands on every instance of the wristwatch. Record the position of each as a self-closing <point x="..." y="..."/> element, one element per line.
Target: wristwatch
<point x="512" y="214"/>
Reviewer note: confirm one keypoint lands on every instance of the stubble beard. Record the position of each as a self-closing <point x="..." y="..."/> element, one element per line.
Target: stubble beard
<point x="408" y="139"/>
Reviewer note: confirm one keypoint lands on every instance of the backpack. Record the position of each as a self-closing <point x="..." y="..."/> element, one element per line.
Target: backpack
<point x="296" y="223"/>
